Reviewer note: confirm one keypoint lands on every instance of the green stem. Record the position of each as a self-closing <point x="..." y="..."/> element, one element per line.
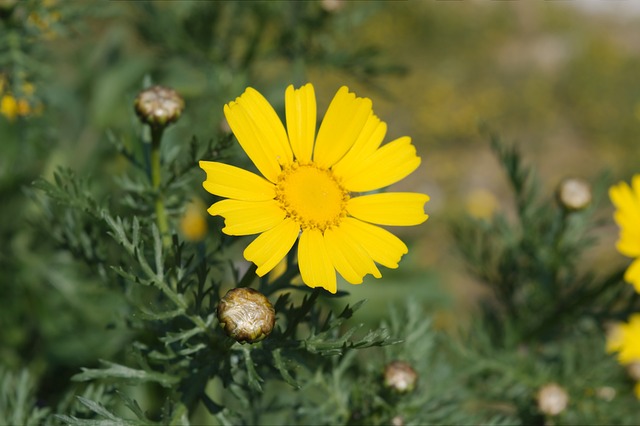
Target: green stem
<point x="156" y="179"/>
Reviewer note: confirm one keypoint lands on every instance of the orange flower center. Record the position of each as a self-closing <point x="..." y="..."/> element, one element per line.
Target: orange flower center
<point x="311" y="196"/>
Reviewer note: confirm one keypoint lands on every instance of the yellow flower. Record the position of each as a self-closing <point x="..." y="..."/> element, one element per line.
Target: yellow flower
<point x="193" y="223"/>
<point x="625" y="340"/>
<point x="626" y="199"/>
<point x="481" y="204"/>
<point x="9" y="107"/>
<point x="311" y="184"/>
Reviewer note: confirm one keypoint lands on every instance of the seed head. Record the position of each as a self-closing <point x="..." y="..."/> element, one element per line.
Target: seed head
<point x="400" y="377"/>
<point x="159" y="106"/>
<point x="246" y="315"/>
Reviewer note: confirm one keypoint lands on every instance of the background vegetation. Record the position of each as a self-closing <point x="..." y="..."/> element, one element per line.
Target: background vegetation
<point x="87" y="333"/>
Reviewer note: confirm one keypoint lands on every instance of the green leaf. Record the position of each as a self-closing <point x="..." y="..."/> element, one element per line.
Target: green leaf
<point x="278" y="362"/>
<point x="116" y="371"/>
<point x="253" y="377"/>
<point x="132" y="405"/>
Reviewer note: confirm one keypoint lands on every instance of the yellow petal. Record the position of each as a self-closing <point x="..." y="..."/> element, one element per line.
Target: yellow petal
<point x="389" y="164"/>
<point x="260" y="132"/>
<point x="349" y="258"/>
<point x="615" y="338"/>
<point x="636" y="390"/>
<point x="300" y="106"/>
<point x="383" y="247"/>
<point x="228" y="181"/>
<point x="247" y="217"/>
<point x="271" y="246"/>
<point x="368" y="141"/>
<point x="391" y="208"/>
<point x="632" y="276"/>
<point x="341" y="126"/>
<point x="625" y="200"/>
<point x="315" y="265"/>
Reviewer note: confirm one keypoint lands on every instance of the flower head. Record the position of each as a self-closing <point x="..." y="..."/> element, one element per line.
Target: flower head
<point x="311" y="185"/>
<point x="626" y="199"/>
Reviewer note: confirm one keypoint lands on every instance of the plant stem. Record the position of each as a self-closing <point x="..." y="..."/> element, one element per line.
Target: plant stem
<point x="156" y="179"/>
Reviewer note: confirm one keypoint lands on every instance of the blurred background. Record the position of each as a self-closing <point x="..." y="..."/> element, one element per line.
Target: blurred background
<point x="558" y="79"/>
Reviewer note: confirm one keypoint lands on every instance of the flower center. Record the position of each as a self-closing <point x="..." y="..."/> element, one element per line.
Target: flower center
<point x="311" y="196"/>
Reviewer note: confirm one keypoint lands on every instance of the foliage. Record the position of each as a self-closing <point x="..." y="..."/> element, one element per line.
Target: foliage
<point x="107" y="318"/>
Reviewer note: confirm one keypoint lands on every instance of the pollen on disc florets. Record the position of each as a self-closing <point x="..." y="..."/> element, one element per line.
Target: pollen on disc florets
<point x="312" y="196"/>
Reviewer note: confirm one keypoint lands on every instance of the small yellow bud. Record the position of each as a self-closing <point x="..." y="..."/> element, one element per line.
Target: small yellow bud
<point x="159" y="106"/>
<point x="246" y="315"/>
<point x="552" y="399"/>
<point x="574" y="194"/>
<point x="400" y="377"/>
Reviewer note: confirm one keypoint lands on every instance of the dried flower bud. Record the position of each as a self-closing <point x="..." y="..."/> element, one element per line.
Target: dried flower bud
<point x="246" y="315"/>
<point x="574" y="194"/>
<point x="606" y="393"/>
<point x="400" y="377"/>
<point x="552" y="399"/>
<point x="332" y="5"/>
<point x="159" y="106"/>
<point x="397" y="421"/>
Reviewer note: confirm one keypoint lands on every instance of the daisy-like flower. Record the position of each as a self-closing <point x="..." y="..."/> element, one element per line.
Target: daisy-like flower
<point x="312" y="186"/>
<point x="626" y="199"/>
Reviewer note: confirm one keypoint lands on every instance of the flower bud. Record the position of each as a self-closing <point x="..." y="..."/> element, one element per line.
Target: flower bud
<point x="159" y="106"/>
<point x="397" y="421"/>
<point x="606" y="393"/>
<point x="246" y="315"/>
<point x="574" y="194"/>
<point x="552" y="399"/>
<point x="332" y="5"/>
<point x="400" y="377"/>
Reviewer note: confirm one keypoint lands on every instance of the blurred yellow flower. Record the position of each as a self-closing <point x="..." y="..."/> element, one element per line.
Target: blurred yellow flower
<point x="626" y="199"/>
<point x="28" y="89"/>
<point x="624" y="339"/>
<point x="193" y="223"/>
<point x="310" y="186"/>
<point x="9" y="107"/>
<point x="481" y="204"/>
